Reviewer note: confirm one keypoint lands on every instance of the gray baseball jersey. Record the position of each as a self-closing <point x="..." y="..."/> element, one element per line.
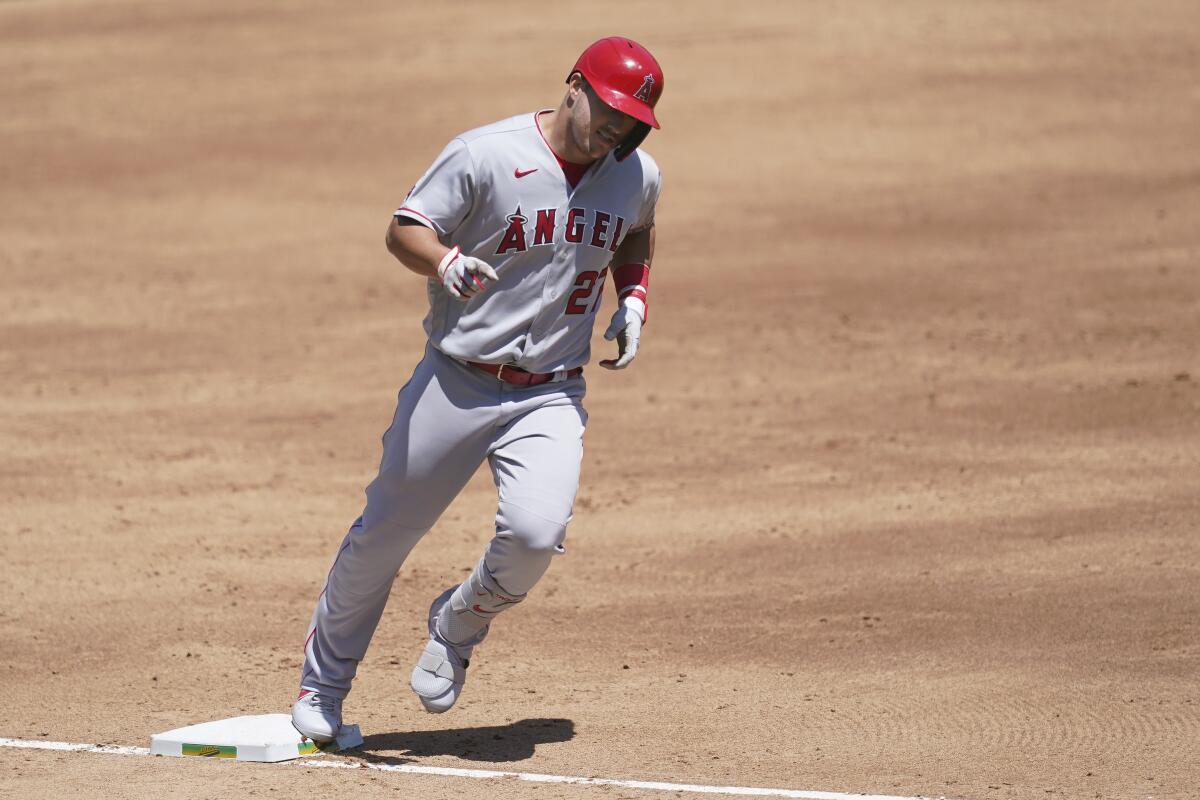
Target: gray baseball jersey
<point x="498" y="193"/>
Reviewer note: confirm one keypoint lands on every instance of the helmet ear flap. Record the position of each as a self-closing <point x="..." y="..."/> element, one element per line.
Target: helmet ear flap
<point x="630" y="143"/>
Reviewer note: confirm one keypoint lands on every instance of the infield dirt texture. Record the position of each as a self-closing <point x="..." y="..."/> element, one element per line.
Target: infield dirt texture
<point x="900" y="495"/>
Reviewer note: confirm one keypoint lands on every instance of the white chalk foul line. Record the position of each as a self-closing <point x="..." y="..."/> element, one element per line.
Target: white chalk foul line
<point x="112" y="749"/>
<point x="534" y="777"/>
<point x="487" y="774"/>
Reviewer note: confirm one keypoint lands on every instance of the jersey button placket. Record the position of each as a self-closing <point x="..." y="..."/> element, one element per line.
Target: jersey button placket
<point x="549" y="312"/>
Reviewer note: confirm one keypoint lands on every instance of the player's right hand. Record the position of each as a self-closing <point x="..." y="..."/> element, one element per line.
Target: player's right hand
<point x="463" y="277"/>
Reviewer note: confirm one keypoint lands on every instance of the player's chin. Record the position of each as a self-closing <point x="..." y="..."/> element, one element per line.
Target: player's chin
<point x="601" y="145"/>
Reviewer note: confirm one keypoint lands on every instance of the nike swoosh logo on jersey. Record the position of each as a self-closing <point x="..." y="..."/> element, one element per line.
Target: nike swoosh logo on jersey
<point x="517" y="173"/>
<point x="479" y="610"/>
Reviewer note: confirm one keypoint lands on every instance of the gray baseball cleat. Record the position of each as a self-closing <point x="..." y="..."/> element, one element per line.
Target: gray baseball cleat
<point x="317" y="716"/>
<point x="459" y="619"/>
<point x="438" y="677"/>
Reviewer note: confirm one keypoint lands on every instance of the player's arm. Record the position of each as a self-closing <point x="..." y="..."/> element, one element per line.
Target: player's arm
<point x="631" y="277"/>
<point x="637" y="248"/>
<point x="417" y="247"/>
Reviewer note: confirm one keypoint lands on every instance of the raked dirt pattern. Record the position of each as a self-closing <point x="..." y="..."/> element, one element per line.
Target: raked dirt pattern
<point x="900" y="496"/>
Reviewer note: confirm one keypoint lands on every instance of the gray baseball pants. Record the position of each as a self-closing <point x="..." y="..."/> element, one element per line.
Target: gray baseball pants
<point x="449" y="418"/>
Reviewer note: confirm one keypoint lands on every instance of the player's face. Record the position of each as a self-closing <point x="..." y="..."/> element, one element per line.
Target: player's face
<point x="596" y="126"/>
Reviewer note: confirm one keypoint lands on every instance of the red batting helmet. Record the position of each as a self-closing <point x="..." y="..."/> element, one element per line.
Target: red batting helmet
<point x="624" y="75"/>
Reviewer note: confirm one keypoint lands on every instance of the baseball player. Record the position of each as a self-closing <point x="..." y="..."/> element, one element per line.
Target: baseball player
<point x="516" y="225"/>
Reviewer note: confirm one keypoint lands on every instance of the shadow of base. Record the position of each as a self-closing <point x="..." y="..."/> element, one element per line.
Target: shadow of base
<point x="496" y="743"/>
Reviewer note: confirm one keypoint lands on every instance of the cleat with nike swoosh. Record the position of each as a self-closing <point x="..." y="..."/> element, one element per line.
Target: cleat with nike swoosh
<point x="459" y="619"/>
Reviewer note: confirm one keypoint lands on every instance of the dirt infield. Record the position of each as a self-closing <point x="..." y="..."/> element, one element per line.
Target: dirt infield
<point x="901" y="495"/>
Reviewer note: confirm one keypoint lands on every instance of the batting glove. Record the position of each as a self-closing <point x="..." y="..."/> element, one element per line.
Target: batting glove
<point x="461" y="275"/>
<point x="626" y="328"/>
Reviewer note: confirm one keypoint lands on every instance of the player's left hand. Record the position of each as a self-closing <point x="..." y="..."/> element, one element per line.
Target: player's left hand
<point x="626" y="328"/>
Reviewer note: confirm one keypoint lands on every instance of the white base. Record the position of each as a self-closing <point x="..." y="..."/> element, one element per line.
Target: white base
<point x="266" y="737"/>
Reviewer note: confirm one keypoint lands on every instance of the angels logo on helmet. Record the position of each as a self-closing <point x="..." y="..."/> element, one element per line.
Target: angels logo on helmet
<point x="643" y="92"/>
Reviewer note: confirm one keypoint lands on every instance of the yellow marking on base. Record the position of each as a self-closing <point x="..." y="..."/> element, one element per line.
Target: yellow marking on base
<point x="210" y="750"/>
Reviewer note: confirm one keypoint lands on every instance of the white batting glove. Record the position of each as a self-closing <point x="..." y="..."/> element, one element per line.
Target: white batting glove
<point x="461" y="275"/>
<point x="626" y="328"/>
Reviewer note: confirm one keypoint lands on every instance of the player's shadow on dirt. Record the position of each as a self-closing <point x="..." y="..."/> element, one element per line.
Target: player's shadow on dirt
<point x="498" y="743"/>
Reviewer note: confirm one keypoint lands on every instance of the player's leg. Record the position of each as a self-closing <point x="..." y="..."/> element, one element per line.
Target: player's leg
<point x="536" y="464"/>
<point x="441" y="432"/>
<point x="535" y="461"/>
